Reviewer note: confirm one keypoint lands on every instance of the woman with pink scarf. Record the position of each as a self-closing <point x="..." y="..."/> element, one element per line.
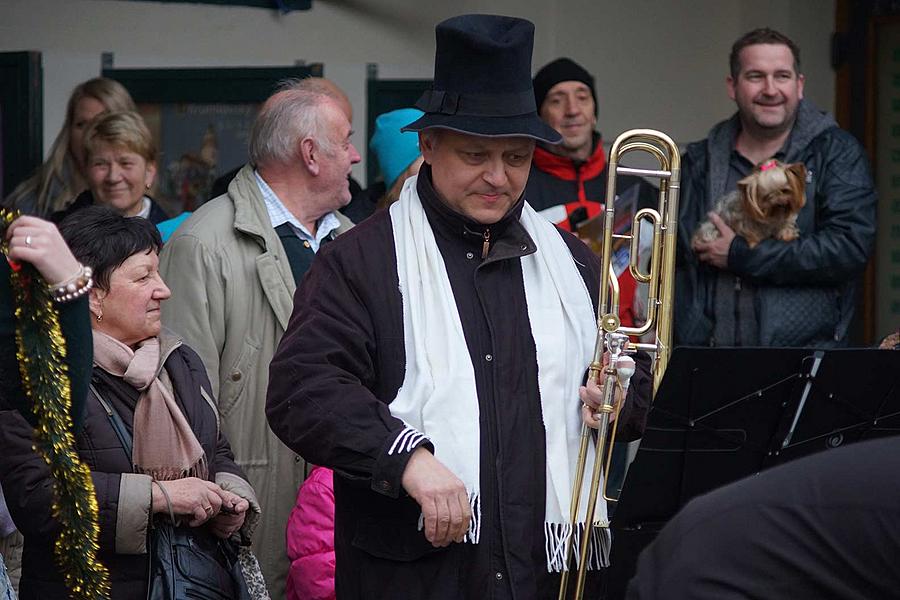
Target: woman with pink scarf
<point x="148" y="391"/>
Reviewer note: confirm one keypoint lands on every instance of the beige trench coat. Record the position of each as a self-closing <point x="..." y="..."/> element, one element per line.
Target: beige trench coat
<point x="232" y="296"/>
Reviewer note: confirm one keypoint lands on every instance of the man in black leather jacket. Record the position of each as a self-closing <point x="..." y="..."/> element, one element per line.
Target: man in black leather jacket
<point x="798" y="293"/>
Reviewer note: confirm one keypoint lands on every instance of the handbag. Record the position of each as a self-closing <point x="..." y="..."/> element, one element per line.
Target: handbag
<point x="190" y="562"/>
<point x="184" y="562"/>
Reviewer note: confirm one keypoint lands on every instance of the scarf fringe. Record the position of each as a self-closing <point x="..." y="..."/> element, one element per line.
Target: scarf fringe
<point x="199" y="470"/>
<point x="556" y="538"/>
<point x="474" y="534"/>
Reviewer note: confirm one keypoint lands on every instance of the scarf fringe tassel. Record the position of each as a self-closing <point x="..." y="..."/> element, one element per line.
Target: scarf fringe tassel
<point x="200" y="470"/>
<point x="557" y="535"/>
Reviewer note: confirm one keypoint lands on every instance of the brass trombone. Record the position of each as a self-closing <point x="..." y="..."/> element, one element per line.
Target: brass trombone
<point x="611" y="336"/>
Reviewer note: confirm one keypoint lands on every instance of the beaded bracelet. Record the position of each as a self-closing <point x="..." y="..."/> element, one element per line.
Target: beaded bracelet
<point x="74" y="287"/>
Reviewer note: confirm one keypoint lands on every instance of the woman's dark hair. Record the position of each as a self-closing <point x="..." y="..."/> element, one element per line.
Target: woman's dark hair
<point x="103" y="239"/>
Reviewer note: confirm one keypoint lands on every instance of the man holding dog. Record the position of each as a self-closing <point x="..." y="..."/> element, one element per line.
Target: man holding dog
<point x="435" y="354"/>
<point x="777" y="293"/>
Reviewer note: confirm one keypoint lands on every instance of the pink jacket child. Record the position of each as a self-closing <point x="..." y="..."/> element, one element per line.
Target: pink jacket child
<point x="310" y="539"/>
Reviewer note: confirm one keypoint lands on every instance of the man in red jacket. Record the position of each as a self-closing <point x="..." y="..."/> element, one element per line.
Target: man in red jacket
<point x="567" y="183"/>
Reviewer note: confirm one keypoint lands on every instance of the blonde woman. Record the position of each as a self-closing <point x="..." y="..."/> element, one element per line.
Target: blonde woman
<point x="60" y="179"/>
<point x="119" y="166"/>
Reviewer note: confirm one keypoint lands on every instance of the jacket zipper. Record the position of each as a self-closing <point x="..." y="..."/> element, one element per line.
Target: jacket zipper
<point x="487" y="243"/>
<point x="582" y="196"/>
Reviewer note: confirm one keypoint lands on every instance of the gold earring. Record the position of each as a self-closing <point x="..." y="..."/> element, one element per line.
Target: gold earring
<point x="99" y="317"/>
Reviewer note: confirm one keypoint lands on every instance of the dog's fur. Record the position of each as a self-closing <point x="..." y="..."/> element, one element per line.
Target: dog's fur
<point x="765" y="205"/>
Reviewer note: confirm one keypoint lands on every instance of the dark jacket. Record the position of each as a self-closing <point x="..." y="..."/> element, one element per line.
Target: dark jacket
<point x="805" y="289"/>
<point x="341" y="362"/>
<point x="123" y="497"/>
<point x="86" y="198"/>
<point x="74" y="321"/>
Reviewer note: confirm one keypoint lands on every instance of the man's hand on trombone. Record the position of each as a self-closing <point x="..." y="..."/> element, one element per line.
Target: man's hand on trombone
<point x="591" y="393"/>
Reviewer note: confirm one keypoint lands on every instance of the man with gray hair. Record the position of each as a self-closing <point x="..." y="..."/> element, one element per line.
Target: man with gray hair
<point x="233" y="267"/>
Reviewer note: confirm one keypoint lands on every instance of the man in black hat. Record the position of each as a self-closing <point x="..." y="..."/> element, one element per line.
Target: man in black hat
<point x="435" y="354"/>
<point x="567" y="183"/>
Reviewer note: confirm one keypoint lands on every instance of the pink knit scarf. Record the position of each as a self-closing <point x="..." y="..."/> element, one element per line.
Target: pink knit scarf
<point x="165" y="447"/>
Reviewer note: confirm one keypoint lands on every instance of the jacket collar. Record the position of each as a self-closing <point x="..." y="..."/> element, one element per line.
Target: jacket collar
<point x="273" y="269"/>
<point x="169" y="341"/>
<point x="719" y="145"/>
<point x="454" y="225"/>
<point x="272" y="266"/>
<point x="86" y="198"/>
<point x="569" y="169"/>
<point x="250" y="215"/>
<point x="810" y="122"/>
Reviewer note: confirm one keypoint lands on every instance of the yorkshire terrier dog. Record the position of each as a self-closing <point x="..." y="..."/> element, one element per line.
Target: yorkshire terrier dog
<point x="765" y="205"/>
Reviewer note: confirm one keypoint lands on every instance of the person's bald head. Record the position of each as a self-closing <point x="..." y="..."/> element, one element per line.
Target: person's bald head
<point x="320" y="85"/>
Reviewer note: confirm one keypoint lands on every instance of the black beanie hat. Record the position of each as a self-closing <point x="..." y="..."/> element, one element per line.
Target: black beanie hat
<point x="561" y="69"/>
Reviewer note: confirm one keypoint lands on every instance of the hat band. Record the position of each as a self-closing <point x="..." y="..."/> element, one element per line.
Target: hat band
<point x="477" y="105"/>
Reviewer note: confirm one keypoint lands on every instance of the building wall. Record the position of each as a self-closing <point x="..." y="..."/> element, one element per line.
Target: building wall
<point x="658" y="64"/>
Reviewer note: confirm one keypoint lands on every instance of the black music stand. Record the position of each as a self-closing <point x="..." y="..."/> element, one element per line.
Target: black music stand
<point x="722" y="414"/>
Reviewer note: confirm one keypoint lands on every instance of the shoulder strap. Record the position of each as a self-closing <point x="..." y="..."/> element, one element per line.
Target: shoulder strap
<point x="125" y="439"/>
<point x="117" y="423"/>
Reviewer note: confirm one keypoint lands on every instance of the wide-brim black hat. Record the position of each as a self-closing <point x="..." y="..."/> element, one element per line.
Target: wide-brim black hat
<point x="482" y="80"/>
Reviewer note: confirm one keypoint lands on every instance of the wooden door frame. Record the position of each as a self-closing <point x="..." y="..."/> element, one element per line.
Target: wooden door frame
<point x="853" y="59"/>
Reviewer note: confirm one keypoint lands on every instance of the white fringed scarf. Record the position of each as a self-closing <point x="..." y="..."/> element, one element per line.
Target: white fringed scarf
<point x="438" y="397"/>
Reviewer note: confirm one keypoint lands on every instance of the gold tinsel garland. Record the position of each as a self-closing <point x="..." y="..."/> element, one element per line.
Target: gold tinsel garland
<point x="41" y="351"/>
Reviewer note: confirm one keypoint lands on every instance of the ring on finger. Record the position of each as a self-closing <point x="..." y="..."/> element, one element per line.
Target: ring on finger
<point x="28" y="241"/>
<point x="208" y="509"/>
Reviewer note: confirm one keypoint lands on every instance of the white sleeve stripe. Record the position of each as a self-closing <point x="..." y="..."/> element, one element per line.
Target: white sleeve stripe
<point x="414" y="441"/>
<point x="397" y="439"/>
<point x="406" y="440"/>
